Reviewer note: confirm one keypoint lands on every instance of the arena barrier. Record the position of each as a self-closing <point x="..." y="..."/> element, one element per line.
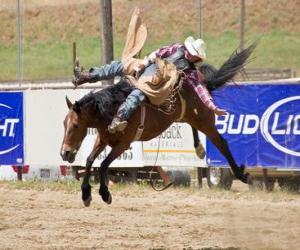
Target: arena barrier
<point x="262" y="129"/>
<point x="262" y="126"/>
<point x="32" y="131"/>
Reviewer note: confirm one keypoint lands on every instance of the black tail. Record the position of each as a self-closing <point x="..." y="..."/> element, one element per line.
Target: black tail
<point x="216" y="78"/>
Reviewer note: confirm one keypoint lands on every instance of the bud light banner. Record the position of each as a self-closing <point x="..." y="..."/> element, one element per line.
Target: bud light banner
<point x="262" y="127"/>
<point x="11" y="128"/>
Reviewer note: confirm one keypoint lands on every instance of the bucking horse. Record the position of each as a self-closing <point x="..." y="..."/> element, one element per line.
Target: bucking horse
<point x="96" y="110"/>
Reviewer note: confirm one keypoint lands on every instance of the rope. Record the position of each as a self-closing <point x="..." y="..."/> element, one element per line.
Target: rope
<point x="168" y="107"/>
<point x="151" y="180"/>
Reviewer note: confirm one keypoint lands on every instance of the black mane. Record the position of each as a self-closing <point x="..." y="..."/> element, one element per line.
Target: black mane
<point x="105" y="102"/>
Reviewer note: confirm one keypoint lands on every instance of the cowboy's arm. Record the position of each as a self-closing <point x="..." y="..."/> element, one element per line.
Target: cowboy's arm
<point x="207" y="100"/>
<point x="163" y="52"/>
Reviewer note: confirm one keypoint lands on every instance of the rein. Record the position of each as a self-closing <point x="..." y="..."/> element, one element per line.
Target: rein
<point x="168" y="108"/>
<point x="151" y="179"/>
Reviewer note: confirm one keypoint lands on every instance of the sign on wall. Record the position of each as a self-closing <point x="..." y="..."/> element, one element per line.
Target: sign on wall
<point x="173" y="147"/>
<point x="11" y="128"/>
<point x="262" y="127"/>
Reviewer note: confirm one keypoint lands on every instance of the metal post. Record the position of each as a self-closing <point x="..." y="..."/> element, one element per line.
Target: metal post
<point x="20" y="173"/>
<point x="200" y="22"/>
<point x="242" y="24"/>
<point x="107" y="33"/>
<point x="199" y="177"/>
<point x="19" y="35"/>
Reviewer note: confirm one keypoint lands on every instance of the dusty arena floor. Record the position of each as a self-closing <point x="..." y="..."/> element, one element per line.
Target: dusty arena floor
<point x="140" y="218"/>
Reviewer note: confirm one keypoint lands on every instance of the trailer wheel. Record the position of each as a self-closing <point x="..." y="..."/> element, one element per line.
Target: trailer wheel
<point x="180" y="178"/>
<point x="123" y="176"/>
<point x="291" y="184"/>
<point x="258" y="184"/>
<point x="219" y="178"/>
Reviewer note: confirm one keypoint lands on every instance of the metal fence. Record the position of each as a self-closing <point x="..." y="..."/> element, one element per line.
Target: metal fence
<point x="31" y="28"/>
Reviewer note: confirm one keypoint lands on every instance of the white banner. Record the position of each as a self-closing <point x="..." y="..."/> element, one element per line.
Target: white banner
<point x="132" y="157"/>
<point x="174" y="147"/>
<point x="45" y="111"/>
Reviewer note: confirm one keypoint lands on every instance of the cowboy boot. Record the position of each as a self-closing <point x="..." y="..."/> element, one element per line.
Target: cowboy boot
<point x="119" y="122"/>
<point x="117" y="125"/>
<point x="80" y="76"/>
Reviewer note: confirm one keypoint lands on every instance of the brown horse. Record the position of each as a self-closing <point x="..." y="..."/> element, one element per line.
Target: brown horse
<point x="97" y="109"/>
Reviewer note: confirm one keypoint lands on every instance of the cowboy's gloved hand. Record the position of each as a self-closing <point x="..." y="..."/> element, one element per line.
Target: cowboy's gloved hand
<point x="77" y="74"/>
<point x="219" y="111"/>
<point x="138" y="70"/>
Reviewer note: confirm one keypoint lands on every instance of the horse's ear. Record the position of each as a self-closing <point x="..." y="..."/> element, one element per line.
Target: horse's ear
<point x="68" y="102"/>
<point x="76" y="107"/>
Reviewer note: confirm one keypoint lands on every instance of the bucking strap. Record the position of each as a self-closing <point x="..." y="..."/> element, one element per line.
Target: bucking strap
<point x="141" y="127"/>
<point x="183" y="107"/>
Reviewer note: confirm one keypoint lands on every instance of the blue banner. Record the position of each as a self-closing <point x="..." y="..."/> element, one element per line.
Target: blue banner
<point x="262" y="127"/>
<point x="11" y="128"/>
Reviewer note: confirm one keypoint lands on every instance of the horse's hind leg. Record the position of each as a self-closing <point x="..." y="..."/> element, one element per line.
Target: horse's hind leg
<point x="85" y="186"/>
<point x="221" y="144"/>
<point x="200" y="151"/>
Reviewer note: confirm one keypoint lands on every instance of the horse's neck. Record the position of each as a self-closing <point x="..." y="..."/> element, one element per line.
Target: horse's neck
<point x="95" y="120"/>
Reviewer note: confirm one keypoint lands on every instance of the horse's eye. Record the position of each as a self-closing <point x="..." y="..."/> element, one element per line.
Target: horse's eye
<point x="75" y="126"/>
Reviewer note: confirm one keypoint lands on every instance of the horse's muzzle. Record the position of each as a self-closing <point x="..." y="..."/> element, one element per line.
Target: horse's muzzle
<point x="68" y="155"/>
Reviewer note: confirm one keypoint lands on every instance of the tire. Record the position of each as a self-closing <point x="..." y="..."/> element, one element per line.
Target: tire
<point x="258" y="184"/>
<point x="180" y="178"/>
<point x="125" y="176"/>
<point x="219" y="178"/>
<point x="291" y="184"/>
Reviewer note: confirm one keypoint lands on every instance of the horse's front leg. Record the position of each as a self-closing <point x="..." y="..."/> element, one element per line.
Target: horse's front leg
<point x="103" y="191"/>
<point x="85" y="186"/>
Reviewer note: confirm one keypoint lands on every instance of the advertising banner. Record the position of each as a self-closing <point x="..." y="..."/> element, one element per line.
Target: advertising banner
<point x="11" y="128"/>
<point x="132" y="157"/>
<point x="262" y="127"/>
<point x="174" y="147"/>
<point x="45" y="111"/>
<point x="44" y="130"/>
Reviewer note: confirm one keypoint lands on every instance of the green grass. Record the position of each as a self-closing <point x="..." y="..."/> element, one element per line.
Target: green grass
<point x="64" y="186"/>
<point x="52" y="60"/>
<point x="126" y="189"/>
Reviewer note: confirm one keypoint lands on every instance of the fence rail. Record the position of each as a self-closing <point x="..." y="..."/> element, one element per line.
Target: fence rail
<point x="261" y="74"/>
<point x="275" y="76"/>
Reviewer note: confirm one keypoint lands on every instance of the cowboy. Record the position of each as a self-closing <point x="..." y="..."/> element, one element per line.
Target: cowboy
<point x="187" y="58"/>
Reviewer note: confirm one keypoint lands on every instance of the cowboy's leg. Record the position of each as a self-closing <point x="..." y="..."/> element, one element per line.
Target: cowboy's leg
<point x="133" y="100"/>
<point x="95" y="74"/>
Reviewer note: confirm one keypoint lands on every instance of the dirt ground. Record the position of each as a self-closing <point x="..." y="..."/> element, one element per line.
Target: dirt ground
<point x="141" y="218"/>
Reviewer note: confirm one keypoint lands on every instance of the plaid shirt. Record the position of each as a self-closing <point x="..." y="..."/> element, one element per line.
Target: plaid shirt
<point x="192" y="77"/>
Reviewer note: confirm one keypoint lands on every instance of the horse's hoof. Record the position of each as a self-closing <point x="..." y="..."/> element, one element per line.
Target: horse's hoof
<point x="109" y="200"/>
<point x="200" y="151"/>
<point x="105" y="195"/>
<point x="87" y="202"/>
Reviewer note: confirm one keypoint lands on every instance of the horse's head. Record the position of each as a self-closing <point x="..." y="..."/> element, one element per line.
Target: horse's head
<point x="75" y="131"/>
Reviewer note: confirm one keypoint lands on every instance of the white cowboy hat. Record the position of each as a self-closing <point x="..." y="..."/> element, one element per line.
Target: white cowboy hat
<point x="195" y="47"/>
